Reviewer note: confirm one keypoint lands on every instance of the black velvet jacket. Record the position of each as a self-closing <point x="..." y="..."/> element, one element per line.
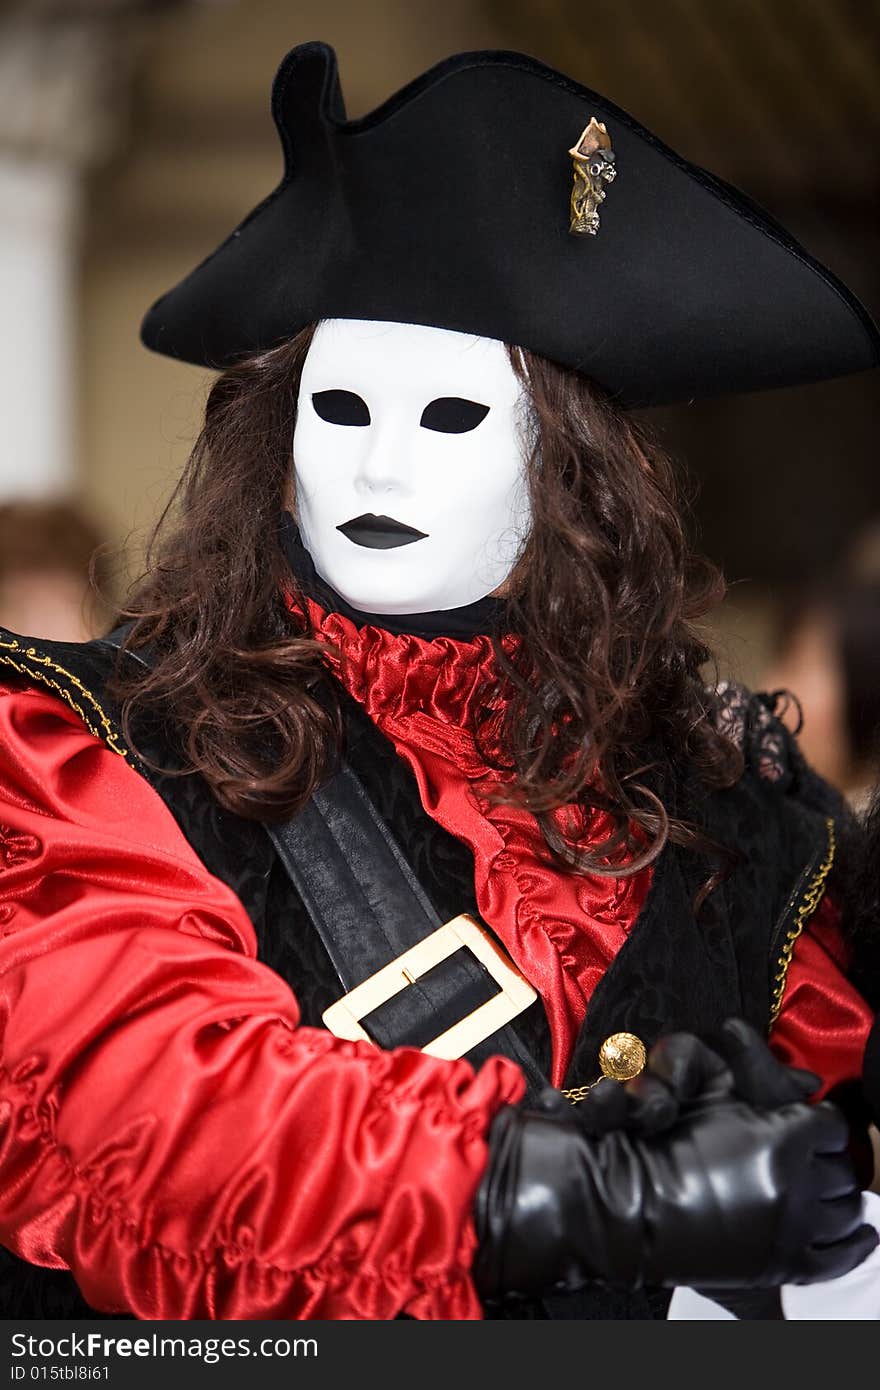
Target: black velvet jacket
<point x="677" y="970"/>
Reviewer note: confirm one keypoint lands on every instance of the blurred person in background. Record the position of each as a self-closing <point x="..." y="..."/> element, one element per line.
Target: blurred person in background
<point x="421" y="640"/>
<point x="862" y="560"/>
<point x="829" y="659"/>
<point x="46" y="553"/>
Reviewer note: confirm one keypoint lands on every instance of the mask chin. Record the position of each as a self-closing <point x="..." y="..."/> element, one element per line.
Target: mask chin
<point x="426" y="589"/>
<point x="409" y="465"/>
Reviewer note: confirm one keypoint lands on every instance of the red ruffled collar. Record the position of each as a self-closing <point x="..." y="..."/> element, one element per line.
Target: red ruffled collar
<point x="424" y="689"/>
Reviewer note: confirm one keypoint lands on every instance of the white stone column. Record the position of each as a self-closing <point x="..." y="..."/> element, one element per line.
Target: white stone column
<point x="63" y="84"/>
<point x="65" y="78"/>
<point x="39" y="204"/>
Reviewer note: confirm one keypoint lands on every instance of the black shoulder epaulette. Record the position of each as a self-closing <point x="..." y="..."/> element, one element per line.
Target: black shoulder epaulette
<point x="76" y="672"/>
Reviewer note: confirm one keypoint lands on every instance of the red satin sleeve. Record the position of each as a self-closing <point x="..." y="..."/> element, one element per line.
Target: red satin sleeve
<point x="824" y="1022"/>
<point x="168" y="1131"/>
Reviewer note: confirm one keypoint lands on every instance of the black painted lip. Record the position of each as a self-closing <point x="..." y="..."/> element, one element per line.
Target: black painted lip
<point x="380" y="532"/>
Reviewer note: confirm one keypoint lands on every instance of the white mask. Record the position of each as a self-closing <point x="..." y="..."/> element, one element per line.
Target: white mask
<point x="409" y="461"/>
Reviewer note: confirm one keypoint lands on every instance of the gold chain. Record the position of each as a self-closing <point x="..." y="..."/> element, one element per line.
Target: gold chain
<point x="810" y="901"/>
<point x="578" y="1093"/>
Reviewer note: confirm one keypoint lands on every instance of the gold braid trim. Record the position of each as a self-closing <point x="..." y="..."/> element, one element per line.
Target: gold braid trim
<point x="808" y="904"/>
<point x="31" y="663"/>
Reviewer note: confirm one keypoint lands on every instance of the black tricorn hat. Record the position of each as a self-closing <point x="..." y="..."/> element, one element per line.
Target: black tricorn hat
<point x="450" y="205"/>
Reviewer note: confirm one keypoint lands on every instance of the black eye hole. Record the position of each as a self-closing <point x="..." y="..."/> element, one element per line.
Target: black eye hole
<point x="452" y="415"/>
<point x="341" y="408"/>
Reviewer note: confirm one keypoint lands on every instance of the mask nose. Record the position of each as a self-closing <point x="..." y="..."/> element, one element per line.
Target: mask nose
<point x="384" y="466"/>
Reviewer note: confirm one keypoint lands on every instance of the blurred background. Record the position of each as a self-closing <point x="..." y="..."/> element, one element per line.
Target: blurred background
<point x="134" y="134"/>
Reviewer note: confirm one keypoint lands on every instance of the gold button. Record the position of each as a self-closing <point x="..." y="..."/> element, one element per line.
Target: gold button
<point x="622" y="1056"/>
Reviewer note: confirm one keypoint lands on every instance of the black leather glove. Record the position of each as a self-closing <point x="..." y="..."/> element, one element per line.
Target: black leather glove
<point x="729" y="1197"/>
<point x="684" y="1068"/>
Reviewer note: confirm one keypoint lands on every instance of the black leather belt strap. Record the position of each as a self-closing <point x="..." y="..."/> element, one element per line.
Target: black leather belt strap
<point x="368" y="908"/>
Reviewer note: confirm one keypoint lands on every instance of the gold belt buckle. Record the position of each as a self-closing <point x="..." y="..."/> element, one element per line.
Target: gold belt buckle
<point x="516" y="994"/>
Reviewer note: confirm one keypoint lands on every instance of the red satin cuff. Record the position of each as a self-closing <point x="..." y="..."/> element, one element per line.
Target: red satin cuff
<point x="170" y="1133"/>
